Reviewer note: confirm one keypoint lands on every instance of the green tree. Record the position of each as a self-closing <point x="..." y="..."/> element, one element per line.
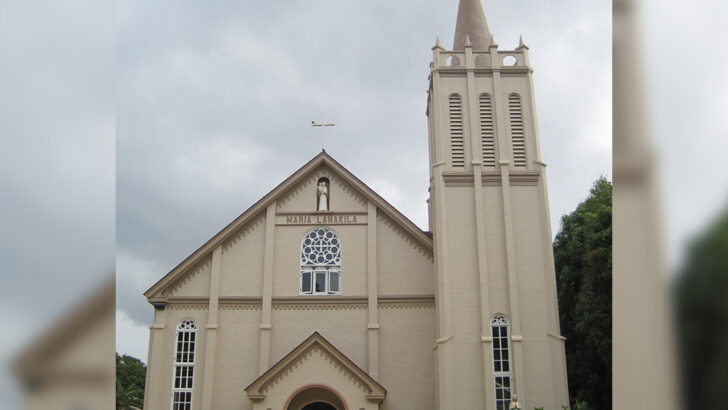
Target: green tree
<point x="701" y="296"/>
<point x="583" y="259"/>
<point x="130" y="377"/>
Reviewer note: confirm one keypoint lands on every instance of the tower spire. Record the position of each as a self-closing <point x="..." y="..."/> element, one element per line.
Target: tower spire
<point x="471" y="23"/>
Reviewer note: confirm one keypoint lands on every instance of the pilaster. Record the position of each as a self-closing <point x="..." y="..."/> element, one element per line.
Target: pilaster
<point x="156" y="349"/>
<point x="476" y="159"/>
<point x="372" y="291"/>
<point x="267" y="302"/>
<point x="443" y="351"/>
<point x="513" y="297"/>
<point x="211" y="329"/>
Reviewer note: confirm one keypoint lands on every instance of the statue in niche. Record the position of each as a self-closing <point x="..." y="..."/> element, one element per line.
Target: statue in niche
<point x="323" y="195"/>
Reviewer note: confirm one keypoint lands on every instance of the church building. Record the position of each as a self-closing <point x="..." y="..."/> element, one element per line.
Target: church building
<point x="322" y="295"/>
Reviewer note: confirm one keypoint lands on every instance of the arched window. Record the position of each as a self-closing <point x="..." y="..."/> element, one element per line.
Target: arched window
<point x="320" y="262"/>
<point x="503" y="377"/>
<point x="518" y="138"/>
<point x="184" y="365"/>
<point x="486" y="130"/>
<point x="457" y="147"/>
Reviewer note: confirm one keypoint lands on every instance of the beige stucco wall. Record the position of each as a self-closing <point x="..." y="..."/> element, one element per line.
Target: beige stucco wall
<point x="406" y="364"/>
<point x="236" y="363"/>
<point x="196" y="283"/>
<point x="242" y="261"/>
<point x="404" y="266"/>
<point x="496" y="250"/>
<point x="344" y="327"/>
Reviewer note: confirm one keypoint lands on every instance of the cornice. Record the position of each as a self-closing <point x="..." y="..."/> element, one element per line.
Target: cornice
<point x="448" y="71"/>
<point x="305" y="302"/>
<point x="312" y="213"/>
<point x="405" y="236"/>
<point x="491" y="178"/>
<point x="243" y="232"/>
<point x="174" y="285"/>
<point x="187" y="306"/>
<point x="188" y="300"/>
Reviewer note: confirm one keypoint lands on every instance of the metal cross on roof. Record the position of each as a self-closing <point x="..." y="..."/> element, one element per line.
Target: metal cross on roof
<point x="323" y="124"/>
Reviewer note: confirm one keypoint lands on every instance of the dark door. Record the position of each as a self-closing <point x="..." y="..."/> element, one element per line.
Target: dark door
<point x="318" y="406"/>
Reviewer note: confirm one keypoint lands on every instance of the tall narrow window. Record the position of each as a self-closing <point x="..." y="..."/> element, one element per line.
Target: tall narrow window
<point x="486" y="130"/>
<point x="320" y="262"/>
<point x="184" y="365"/>
<point x="517" y="134"/>
<point x="501" y="362"/>
<point x="457" y="149"/>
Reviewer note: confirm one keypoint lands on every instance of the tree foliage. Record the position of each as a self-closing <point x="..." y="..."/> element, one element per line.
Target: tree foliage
<point x="583" y="259"/>
<point x="130" y="377"/>
<point x="701" y="296"/>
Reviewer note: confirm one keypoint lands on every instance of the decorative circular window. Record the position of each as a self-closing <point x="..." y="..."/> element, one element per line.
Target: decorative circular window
<point x="321" y="246"/>
<point x="320" y="262"/>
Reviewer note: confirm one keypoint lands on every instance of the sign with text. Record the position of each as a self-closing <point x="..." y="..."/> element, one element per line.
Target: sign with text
<point x="322" y="219"/>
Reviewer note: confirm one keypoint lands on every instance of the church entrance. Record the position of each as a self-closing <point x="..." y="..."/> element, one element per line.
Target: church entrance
<point x="316" y="398"/>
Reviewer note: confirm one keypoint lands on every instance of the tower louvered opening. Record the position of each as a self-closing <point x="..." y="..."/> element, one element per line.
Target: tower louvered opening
<point x="487" y="139"/>
<point x="517" y="134"/>
<point x="457" y="149"/>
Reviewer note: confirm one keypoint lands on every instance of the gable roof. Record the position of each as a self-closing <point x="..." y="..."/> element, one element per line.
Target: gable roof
<point x="255" y="390"/>
<point x="321" y="159"/>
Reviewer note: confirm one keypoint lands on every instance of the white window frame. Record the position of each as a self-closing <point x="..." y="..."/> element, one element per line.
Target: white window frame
<point x="313" y="269"/>
<point x="313" y="272"/>
<point x="500" y="321"/>
<point x="188" y="326"/>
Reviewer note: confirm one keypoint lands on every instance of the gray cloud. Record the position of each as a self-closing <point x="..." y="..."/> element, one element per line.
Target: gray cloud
<point x="214" y="107"/>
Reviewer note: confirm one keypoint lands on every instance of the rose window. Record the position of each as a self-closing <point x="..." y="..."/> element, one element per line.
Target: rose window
<point x="320" y="262"/>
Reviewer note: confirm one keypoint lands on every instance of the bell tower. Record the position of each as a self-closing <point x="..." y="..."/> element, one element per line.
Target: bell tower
<point x="497" y="314"/>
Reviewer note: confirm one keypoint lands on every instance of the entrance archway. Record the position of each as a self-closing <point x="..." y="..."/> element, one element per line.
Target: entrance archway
<point x="316" y="397"/>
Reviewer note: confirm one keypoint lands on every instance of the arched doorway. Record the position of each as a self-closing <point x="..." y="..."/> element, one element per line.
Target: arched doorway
<point x="316" y="398"/>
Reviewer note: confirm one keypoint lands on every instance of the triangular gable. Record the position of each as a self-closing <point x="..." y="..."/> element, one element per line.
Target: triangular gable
<point x="256" y="389"/>
<point x="256" y="209"/>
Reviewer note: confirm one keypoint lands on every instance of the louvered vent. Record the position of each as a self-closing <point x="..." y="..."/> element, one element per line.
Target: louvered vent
<point x="486" y="130"/>
<point x="517" y="135"/>
<point x="456" y="131"/>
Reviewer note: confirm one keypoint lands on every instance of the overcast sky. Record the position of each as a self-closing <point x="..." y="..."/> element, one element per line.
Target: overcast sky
<point x="214" y="109"/>
<point x="211" y="105"/>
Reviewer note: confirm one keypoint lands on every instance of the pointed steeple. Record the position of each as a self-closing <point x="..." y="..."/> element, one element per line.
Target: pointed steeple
<point x="471" y="23"/>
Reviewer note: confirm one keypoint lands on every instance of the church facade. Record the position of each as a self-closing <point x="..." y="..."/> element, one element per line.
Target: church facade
<point x="323" y="296"/>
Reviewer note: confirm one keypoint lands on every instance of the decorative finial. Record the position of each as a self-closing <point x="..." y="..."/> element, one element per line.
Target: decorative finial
<point x="467" y="41"/>
<point x="492" y="41"/>
<point x="437" y="44"/>
<point x="521" y="44"/>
